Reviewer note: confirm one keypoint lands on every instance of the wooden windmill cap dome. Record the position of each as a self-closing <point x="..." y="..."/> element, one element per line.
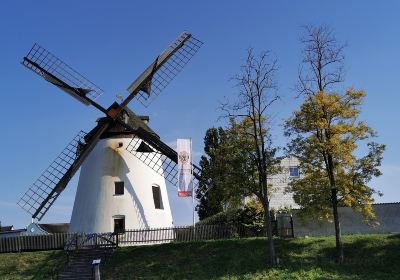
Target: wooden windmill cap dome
<point x="116" y="130"/>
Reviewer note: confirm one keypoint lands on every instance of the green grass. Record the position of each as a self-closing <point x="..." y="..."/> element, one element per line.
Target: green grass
<point x="31" y="265"/>
<point x="367" y="257"/>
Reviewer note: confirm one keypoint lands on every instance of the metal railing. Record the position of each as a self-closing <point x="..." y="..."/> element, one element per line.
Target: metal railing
<point x="82" y="240"/>
<point x="74" y="241"/>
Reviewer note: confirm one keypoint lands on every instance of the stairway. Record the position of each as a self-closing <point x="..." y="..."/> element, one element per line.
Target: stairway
<point x="80" y="261"/>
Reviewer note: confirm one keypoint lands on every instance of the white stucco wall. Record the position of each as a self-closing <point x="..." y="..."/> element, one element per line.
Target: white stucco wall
<point x="352" y="222"/>
<point x="95" y="203"/>
<point x="279" y="198"/>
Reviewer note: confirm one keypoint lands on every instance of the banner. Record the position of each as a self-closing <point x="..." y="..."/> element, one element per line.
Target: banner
<point x="184" y="150"/>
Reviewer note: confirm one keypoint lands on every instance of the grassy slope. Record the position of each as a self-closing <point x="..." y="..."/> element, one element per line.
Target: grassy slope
<point x="31" y="265"/>
<point x="367" y="257"/>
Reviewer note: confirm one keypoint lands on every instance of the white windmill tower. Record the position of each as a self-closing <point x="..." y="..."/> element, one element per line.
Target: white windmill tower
<point x="124" y="162"/>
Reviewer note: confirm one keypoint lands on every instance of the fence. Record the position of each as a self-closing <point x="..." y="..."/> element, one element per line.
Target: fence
<point x="82" y="240"/>
<point x="176" y="234"/>
<point x="72" y="241"/>
<point x="34" y="242"/>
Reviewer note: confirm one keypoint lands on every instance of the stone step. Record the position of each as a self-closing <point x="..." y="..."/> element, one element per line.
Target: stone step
<point x="80" y="263"/>
<point x="74" y="277"/>
<point x="70" y="274"/>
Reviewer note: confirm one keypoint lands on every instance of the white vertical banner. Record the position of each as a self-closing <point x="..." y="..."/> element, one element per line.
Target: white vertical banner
<point x="184" y="150"/>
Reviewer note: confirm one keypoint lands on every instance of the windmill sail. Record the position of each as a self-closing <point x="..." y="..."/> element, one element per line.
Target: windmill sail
<point x="55" y="71"/>
<point x="146" y="146"/>
<point x="43" y="187"/>
<point x="164" y="69"/>
<point x="160" y="157"/>
<point x="41" y="195"/>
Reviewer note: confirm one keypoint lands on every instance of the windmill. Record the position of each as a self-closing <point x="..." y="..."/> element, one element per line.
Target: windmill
<point x="124" y="162"/>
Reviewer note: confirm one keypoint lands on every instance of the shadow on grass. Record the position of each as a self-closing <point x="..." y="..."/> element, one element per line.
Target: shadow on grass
<point x="394" y="236"/>
<point x="32" y="265"/>
<point x="366" y="257"/>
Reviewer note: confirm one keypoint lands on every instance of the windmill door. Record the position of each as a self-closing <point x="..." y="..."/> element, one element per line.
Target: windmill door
<point x="119" y="224"/>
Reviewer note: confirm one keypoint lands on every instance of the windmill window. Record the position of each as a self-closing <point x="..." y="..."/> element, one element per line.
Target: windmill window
<point x="158" y="204"/>
<point x="119" y="224"/>
<point x="126" y="118"/>
<point x="119" y="188"/>
<point x="120" y="144"/>
<point x="294" y="171"/>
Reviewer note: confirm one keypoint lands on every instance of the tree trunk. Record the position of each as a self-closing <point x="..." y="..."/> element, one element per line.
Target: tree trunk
<point x="268" y="227"/>
<point x="338" y="235"/>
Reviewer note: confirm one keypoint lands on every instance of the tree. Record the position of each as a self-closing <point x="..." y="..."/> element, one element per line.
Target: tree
<point x="249" y="142"/>
<point x="323" y="58"/>
<point x="326" y="132"/>
<point x="210" y="190"/>
<point x="227" y="170"/>
<point x="252" y="216"/>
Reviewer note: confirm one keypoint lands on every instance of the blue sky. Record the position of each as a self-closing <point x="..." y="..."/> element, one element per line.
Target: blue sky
<point x="111" y="42"/>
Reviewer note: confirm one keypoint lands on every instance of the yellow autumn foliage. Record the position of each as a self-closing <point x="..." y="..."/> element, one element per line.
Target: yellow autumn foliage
<point x="327" y="126"/>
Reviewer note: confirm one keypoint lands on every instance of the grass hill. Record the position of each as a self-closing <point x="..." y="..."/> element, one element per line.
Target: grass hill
<point x="31" y="265"/>
<point x="367" y="257"/>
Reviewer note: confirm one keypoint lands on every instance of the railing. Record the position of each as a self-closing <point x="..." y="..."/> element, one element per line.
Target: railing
<point x="82" y="240"/>
<point x="73" y="241"/>
<point x="175" y="234"/>
<point x="34" y="242"/>
<point x="190" y="234"/>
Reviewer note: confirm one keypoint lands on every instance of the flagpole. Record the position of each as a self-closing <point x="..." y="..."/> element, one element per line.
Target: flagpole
<point x="191" y="171"/>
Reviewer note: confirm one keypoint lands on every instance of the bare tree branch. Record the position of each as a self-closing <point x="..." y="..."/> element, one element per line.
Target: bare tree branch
<point x="322" y="59"/>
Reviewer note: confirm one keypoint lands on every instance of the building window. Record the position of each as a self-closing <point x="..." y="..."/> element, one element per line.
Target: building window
<point x="119" y="224"/>
<point x="119" y="188"/>
<point x="294" y="171"/>
<point x="158" y="204"/>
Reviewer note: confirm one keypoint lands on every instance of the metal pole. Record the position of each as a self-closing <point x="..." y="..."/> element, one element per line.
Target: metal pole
<point x="191" y="171"/>
<point x="96" y="269"/>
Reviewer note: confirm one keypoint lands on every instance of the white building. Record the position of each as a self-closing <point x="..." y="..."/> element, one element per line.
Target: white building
<point x="279" y="197"/>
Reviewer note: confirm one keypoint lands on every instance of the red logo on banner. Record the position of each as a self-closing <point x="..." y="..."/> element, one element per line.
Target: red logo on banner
<point x="185" y="193"/>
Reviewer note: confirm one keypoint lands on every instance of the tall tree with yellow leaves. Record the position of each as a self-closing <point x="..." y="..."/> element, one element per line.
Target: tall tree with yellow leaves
<point x="325" y="134"/>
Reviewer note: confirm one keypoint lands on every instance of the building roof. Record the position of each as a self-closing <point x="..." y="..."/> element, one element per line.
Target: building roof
<point x="6" y="228"/>
<point x="54" y="228"/>
<point x="383" y="203"/>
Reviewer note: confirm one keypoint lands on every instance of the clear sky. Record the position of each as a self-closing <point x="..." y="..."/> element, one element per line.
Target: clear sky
<point x="111" y="42"/>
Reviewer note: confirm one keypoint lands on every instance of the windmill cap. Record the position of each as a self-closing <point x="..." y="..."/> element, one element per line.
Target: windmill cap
<point x="146" y="119"/>
<point x="117" y="130"/>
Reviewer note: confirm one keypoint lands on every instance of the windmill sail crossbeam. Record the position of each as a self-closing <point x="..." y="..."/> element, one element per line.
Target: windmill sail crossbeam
<point x="158" y="161"/>
<point x="162" y="75"/>
<point x="55" y="71"/>
<point x="43" y="187"/>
